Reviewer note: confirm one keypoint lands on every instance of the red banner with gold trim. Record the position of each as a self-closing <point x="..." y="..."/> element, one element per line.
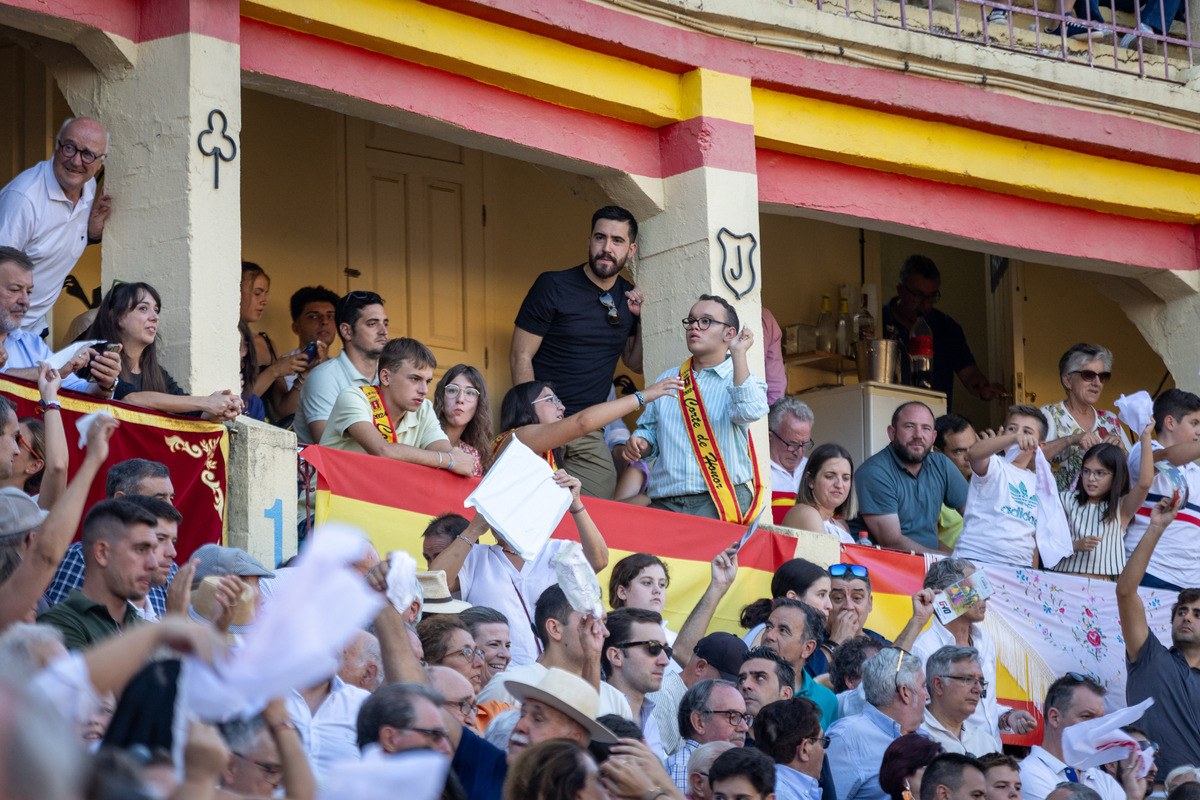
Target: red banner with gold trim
<point x="196" y="452"/>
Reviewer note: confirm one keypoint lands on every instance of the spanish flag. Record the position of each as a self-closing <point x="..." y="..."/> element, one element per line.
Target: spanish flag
<point x="394" y="501"/>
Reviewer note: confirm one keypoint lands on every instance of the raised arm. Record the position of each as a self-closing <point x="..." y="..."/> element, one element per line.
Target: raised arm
<point x="982" y="450"/>
<point x="1131" y="502"/>
<point x="1179" y="454"/>
<point x="451" y="559"/>
<point x="632" y="356"/>
<point x="549" y="436"/>
<point x="520" y="354"/>
<point x="594" y="547"/>
<point x="54" y="469"/>
<point x="724" y="570"/>
<point x="20" y="593"/>
<point x="298" y="777"/>
<point x="1129" y="603"/>
<point x="922" y="605"/>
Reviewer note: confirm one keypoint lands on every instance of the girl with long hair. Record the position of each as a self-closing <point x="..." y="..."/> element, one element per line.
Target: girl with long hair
<point x="461" y="403"/>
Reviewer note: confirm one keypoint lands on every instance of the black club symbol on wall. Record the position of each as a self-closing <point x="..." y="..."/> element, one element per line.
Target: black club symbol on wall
<point x="219" y="139"/>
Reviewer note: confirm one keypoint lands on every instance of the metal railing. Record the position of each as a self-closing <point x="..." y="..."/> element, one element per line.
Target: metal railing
<point x="1117" y="35"/>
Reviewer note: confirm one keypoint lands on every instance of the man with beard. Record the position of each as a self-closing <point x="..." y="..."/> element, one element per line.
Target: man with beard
<point x="22" y="351"/>
<point x="901" y="489"/>
<point x="573" y="326"/>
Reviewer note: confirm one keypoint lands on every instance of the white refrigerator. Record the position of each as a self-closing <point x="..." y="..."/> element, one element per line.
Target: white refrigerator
<point x="857" y="416"/>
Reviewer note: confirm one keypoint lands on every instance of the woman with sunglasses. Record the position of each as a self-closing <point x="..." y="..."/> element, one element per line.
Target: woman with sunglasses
<point x="128" y="316"/>
<point x="532" y="412"/>
<point x="40" y="466"/>
<point x="1084" y="369"/>
<point x="825" y="497"/>
<point x="798" y="579"/>
<point x="465" y="414"/>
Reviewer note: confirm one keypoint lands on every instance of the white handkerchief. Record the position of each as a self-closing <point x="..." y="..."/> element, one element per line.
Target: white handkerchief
<point x="1101" y="740"/>
<point x="84" y="424"/>
<point x="64" y="356"/>
<point x="1051" y="534"/>
<point x="413" y="775"/>
<point x="1135" y="410"/>
<point x="401" y="579"/>
<point x="578" y="580"/>
<point x="520" y="500"/>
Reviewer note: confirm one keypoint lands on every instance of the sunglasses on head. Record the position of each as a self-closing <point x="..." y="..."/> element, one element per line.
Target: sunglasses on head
<point x="606" y="300"/>
<point x="840" y="570"/>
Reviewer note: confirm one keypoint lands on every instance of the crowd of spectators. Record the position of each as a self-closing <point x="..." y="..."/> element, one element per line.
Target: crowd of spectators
<point x="486" y="681"/>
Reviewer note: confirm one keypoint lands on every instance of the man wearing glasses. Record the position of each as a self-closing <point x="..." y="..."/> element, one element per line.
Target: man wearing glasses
<point x="916" y="291"/>
<point x="790" y="423"/>
<point x="704" y="459"/>
<point x="956" y="686"/>
<point x="634" y="658"/>
<point x="573" y="326"/>
<point x="51" y="212"/>
<point x="789" y="731"/>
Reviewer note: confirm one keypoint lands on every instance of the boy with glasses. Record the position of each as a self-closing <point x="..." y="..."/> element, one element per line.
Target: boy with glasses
<point x="704" y="458"/>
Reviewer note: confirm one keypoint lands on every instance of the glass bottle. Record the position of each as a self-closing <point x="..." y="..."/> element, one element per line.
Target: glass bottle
<point x="864" y="323"/>
<point x="920" y="351"/>
<point x="845" y="328"/>
<point x="826" y="327"/>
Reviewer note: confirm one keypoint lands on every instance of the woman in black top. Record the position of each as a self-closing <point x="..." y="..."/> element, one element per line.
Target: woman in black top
<point x="128" y="316"/>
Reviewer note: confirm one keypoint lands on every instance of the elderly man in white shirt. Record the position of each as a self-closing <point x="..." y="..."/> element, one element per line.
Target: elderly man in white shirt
<point x="956" y="686"/>
<point x="51" y="211"/>
<point x="1071" y="699"/>
<point x="967" y="631"/>
<point x="327" y="717"/>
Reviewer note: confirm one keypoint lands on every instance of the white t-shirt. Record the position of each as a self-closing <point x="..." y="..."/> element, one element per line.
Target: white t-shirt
<point x="612" y="701"/>
<point x="1000" y="518"/>
<point x="1176" y="558"/>
<point x="488" y="578"/>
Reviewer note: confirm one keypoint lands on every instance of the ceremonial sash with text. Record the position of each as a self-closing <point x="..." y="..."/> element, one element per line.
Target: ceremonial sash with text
<point x="708" y="454"/>
<point x="380" y="417"/>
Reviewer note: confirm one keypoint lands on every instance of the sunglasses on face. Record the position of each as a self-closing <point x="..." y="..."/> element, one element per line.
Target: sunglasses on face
<point x="1089" y="375"/>
<point x="652" y="647"/>
<point x="606" y="300"/>
<point x="840" y="570"/>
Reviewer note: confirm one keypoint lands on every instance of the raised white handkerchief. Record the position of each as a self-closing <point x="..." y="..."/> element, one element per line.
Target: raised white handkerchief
<point x="578" y="580"/>
<point x="520" y="500"/>
<point x="1101" y="741"/>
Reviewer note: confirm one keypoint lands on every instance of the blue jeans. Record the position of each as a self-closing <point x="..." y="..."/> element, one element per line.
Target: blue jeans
<point x="1155" y="13"/>
<point x="1151" y="582"/>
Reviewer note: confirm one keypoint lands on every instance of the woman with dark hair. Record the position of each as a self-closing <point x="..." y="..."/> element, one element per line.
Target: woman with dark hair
<point x="1101" y="507"/>
<point x="128" y="316"/>
<point x="798" y="579"/>
<point x="825" y="497"/>
<point x="1083" y="370"/>
<point x="533" y="409"/>
<point x="252" y="404"/>
<point x="904" y="764"/>
<point x="465" y="413"/>
<point x="556" y="769"/>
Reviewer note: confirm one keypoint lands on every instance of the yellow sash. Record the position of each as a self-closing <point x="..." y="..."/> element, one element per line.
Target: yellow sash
<point x="704" y="445"/>
<point x="502" y="438"/>
<point x="379" y="414"/>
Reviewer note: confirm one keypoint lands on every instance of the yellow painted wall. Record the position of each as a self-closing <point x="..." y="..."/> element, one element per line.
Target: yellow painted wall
<point x="1061" y="309"/>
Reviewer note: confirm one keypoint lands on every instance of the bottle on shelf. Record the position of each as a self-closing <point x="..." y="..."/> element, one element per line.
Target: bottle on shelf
<point x="864" y="323"/>
<point x="920" y="352"/>
<point x="845" y="327"/>
<point x="826" y="327"/>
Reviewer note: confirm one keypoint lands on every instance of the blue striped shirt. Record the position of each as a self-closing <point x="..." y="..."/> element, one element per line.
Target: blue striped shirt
<point x="730" y="410"/>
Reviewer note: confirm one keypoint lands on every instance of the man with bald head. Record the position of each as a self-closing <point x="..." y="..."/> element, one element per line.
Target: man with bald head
<point x="362" y="662"/>
<point x="51" y="212"/>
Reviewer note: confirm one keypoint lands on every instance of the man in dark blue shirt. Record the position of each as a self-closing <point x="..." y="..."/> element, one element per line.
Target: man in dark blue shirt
<point x="917" y="289"/>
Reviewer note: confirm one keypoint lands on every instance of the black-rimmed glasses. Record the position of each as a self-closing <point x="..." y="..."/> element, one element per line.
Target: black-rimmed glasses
<point x="465" y="707"/>
<point x="703" y="323"/>
<point x="824" y="740"/>
<point x="980" y="682"/>
<point x="435" y="735"/>
<point x="791" y="447"/>
<point x="653" y="647"/>
<point x="606" y="300"/>
<point x="733" y="715"/>
<point x="69" y="149"/>
<point x="273" y="772"/>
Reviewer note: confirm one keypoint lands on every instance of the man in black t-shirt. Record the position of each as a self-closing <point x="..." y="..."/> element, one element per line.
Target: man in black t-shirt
<point x="917" y="289"/>
<point x="573" y="326"/>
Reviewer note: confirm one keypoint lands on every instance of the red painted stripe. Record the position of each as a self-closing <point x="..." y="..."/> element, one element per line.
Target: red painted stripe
<point x="143" y="20"/>
<point x="1036" y="227"/>
<point x="371" y="479"/>
<point x="707" y="142"/>
<point x="344" y="69"/>
<point x="676" y="49"/>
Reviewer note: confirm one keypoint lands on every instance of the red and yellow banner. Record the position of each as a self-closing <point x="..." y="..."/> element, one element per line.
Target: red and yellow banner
<point x="196" y="452"/>
<point x="394" y="502"/>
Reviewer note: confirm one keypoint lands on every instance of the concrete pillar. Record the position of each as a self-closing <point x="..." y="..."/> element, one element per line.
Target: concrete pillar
<point x="171" y="226"/>
<point x="261" y="515"/>
<point x="710" y="185"/>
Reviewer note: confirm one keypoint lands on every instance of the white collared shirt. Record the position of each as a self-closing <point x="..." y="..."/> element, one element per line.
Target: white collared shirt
<point x="331" y="734"/>
<point x="987" y="713"/>
<point x="36" y="216"/>
<point x="976" y="739"/>
<point x="1041" y="772"/>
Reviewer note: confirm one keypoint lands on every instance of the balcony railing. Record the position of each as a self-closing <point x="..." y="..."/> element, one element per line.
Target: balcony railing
<point x="1117" y="35"/>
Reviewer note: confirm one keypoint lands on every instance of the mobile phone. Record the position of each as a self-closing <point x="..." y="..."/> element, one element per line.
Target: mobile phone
<point x="112" y="347"/>
<point x="311" y="351"/>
